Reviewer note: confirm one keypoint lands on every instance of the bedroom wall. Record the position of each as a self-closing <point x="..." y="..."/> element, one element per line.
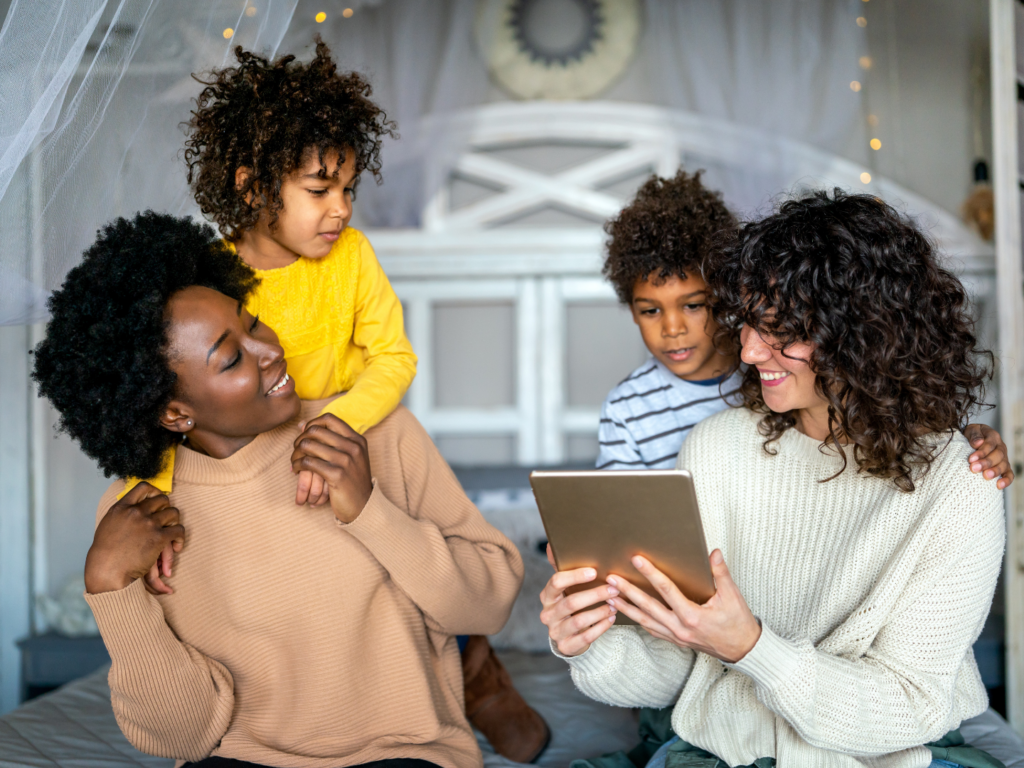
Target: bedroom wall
<point x="923" y="51"/>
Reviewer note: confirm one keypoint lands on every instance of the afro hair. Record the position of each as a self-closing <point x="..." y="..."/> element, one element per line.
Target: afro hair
<point x="103" y="363"/>
<point x="267" y="117"/>
<point x="667" y="230"/>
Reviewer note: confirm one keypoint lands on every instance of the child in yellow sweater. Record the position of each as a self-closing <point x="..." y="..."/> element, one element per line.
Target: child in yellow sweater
<point x="274" y="153"/>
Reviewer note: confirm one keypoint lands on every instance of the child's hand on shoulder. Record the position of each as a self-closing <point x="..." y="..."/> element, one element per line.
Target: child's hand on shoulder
<point x="311" y="488"/>
<point x="990" y="456"/>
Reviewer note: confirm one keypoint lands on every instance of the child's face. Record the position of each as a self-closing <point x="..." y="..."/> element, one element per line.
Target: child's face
<point x="316" y="209"/>
<point x="676" y="327"/>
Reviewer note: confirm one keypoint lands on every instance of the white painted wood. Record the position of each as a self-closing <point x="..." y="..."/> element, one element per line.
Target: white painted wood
<point x="40" y="436"/>
<point x="552" y="370"/>
<point x="528" y="346"/>
<point x="420" y="329"/>
<point x="15" y="509"/>
<point x="471" y="421"/>
<point x="1011" y="327"/>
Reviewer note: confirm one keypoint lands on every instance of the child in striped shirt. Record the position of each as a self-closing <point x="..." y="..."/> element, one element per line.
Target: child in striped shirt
<point x="656" y="248"/>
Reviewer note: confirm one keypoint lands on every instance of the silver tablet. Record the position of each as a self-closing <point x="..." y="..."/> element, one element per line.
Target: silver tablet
<point x="602" y="518"/>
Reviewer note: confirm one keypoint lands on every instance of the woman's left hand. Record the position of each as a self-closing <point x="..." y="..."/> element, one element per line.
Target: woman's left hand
<point x="723" y="627"/>
<point x="333" y="450"/>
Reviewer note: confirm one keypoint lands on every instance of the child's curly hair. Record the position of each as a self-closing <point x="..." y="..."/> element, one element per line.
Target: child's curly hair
<point x="667" y="229"/>
<point x="267" y="116"/>
<point x="895" y="356"/>
<point x="104" y="362"/>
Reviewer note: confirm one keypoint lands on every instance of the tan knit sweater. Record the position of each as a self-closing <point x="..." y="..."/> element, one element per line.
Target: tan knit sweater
<point x="294" y="640"/>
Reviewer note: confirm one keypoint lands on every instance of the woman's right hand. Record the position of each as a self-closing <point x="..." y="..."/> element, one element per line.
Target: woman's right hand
<point x="130" y="538"/>
<point x="572" y="635"/>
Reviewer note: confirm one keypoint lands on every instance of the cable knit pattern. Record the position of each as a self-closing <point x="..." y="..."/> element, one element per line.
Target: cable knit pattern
<point x="292" y="640"/>
<point x="870" y="599"/>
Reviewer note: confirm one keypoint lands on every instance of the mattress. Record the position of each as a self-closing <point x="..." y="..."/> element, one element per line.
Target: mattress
<point x="74" y="726"/>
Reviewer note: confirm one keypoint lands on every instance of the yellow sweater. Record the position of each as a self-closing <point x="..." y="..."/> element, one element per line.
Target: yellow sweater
<point x="339" y="648"/>
<point x="341" y="327"/>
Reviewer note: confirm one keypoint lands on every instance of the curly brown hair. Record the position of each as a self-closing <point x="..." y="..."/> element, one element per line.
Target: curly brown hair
<point x="267" y="117"/>
<point x="667" y="230"/>
<point x="895" y="353"/>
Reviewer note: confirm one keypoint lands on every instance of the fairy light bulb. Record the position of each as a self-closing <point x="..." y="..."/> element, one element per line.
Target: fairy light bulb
<point x="876" y="143"/>
<point x="229" y="33"/>
<point x="855" y="86"/>
<point x="347" y="13"/>
<point x="865" y="178"/>
<point x="321" y="17"/>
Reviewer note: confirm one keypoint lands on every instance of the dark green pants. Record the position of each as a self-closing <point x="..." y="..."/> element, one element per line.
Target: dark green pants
<point x="656" y="729"/>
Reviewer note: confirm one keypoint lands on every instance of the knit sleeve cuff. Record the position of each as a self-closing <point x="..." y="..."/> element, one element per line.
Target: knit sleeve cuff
<point x="571" y="659"/>
<point x="771" y="662"/>
<point x="125" y="617"/>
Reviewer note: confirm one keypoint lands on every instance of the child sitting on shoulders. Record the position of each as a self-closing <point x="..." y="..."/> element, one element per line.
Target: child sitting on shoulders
<point x="655" y="254"/>
<point x="274" y="153"/>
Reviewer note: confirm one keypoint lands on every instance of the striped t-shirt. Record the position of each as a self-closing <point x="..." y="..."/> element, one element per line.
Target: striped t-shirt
<point x="646" y="418"/>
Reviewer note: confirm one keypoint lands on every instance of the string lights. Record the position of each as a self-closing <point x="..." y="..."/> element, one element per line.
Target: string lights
<point x="866" y="62"/>
<point x="229" y="33"/>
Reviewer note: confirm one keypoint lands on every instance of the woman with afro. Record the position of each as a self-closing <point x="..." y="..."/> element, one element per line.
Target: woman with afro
<point x="316" y="638"/>
<point x="275" y="153"/>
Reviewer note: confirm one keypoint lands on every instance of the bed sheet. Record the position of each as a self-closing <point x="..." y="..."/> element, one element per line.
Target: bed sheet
<point x="74" y="727"/>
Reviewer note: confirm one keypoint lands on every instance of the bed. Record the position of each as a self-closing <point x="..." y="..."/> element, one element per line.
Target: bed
<point x="74" y="727"/>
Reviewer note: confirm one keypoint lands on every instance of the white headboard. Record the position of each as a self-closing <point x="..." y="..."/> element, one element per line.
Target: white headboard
<point x="479" y="249"/>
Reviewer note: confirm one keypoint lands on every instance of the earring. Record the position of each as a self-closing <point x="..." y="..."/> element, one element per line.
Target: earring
<point x="189" y="422"/>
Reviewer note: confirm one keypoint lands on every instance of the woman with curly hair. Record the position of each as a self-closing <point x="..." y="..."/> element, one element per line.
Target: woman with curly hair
<point x="314" y="638"/>
<point x="863" y="553"/>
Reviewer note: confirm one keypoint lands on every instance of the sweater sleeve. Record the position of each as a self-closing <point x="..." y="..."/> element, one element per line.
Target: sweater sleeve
<point x="900" y="693"/>
<point x="169" y="699"/>
<point x="459" y="570"/>
<point x="379" y="330"/>
<point x="628" y="667"/>
<point x="617" y="448"/>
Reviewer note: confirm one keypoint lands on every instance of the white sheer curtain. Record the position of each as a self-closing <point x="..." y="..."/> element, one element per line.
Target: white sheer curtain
<point x="783" y="67"/>
<point x="93" y="92"/>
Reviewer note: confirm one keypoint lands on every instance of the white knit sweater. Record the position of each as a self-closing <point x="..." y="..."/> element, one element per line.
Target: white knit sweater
<point x="870" y="598"/>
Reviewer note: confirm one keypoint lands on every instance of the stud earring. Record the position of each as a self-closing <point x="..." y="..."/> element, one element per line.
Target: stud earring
<point x="189" y="422"/>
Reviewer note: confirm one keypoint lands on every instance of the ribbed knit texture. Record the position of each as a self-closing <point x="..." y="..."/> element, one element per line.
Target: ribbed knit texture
<point x="294" y="640"/>
<point x="870" y="599"/>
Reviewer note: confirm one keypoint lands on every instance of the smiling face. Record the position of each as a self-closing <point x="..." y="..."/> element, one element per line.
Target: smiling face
<point x="787" y="381"/>
<point x="317" y="206"/>
<point x="673" y="318"/>
<point x="232" y="377"/>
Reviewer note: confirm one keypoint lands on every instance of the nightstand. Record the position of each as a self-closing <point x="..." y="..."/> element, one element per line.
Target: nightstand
<point x="48" y="661"/>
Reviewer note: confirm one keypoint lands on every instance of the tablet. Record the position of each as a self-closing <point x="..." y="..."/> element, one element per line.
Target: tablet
<point x="602" y="518"/>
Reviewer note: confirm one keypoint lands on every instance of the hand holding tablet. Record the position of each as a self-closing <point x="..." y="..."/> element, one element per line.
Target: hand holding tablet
<point x="606" y="532"/>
